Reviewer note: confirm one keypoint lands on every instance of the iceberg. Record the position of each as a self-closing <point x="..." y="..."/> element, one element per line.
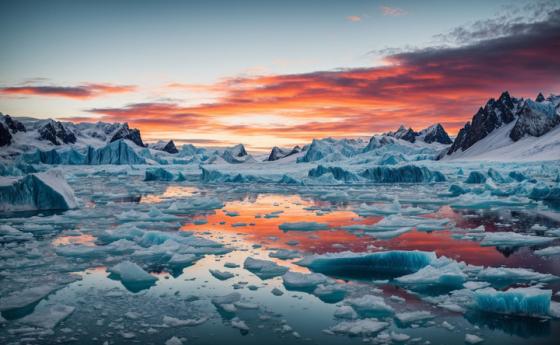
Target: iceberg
<point x="394" y="263"/>
<point x="403" y="174"/>
<point x="337" y="172"/>
<point x="132" y="276"/>
<point x="475" y="177"/>
<point x="528" y="301"/>
<point x="221" y="275"/>
<point x="158" y="174"/>
<point x="506" y="274"/>
<point x="264" y="269"/>
<point x="38" y="191"/>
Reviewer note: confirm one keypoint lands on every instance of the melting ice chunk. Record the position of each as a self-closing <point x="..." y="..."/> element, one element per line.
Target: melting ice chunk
<point x="359" y="327"/>
<point x="264" y="269"/>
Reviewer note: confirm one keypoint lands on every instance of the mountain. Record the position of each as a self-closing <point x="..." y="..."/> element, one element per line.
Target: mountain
<point x="435" y="133"/>
<point x="510" y="127"/>
<point x="24" y="134"/>
<point x="278" y="153"/>
<point x="168" y="147"/>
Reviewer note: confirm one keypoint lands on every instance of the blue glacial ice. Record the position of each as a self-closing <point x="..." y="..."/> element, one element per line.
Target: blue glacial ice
<point x="158" y="174"/>
<point x="475" y="177"/>
<point x="362" y="327"/>
<point x="117" y="152"/>
<point x="403" y="174"/>
<point x="39" y="191"/>
<point x="518" y="301"/>
<point x="394" y="263"/>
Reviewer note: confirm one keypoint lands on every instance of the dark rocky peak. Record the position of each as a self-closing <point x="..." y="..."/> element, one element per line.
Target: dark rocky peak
<point x="170" y="147"/>
<point x="131" y="134"/>
<point x="14" y="125"/>
<point x="540" y="98"/>
<point x="435" y="133"/>
<point x="5" y="135"/>
<point x="56" y="133"/>
<point x="494" y="115"/>
<point x="278" y="153"/>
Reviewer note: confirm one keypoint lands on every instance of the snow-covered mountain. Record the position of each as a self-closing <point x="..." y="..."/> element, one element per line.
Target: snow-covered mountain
<point x="434" y="133"/>
<point x="510" y="128"/>
<point x="24" y="134"/>
<point x="278" y="153"/>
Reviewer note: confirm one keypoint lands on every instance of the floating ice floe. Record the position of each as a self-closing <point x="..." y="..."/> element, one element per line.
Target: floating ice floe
<point x="512" y="239"/>
<point x="441" y="272"/>
<point x="362" y="327"/>
<point x="48" y="316"/>
<point x="345" y="312"/>
<point x="10" y="234"/>
<point x="473" y="339"/>
<point x="175" y="322"/>
<point x="285" y="254"/>
<point x="507" y="274"/>
<point x="369" y="304"/>
<point x="39" y="191"/>
<point x="264" y="269"/>
<point x="555" y="250"/>
<point x="303" y="226"/>
<point x="194" y="204"/>
<point x="26" y="297"/>
<point x="303" y="281"/>
<point x="517" y="301"/>
<point x="221" y="275"/>
<point x="413" y="316"/>
<point x="132" y="276"/>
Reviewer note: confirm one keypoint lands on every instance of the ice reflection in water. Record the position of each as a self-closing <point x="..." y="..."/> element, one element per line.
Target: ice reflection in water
<point x="249" y="225"/>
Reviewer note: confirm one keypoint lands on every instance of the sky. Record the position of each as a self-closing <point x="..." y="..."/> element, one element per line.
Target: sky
<point x="268" y="73"/>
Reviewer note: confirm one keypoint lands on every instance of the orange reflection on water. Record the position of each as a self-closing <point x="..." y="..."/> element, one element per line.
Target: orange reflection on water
<point x="84" y="239"/>
<point x="293" y="207"/>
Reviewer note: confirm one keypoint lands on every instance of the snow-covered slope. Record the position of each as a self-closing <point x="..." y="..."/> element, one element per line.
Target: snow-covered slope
<point x="500" y="147"/>
<point x="511" y="129"/>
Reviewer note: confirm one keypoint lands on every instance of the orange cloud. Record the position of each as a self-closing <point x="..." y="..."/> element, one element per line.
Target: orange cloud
<point x="84" y="91"/>
<point x="354" y="18"/>
<point x="416" y="88"/>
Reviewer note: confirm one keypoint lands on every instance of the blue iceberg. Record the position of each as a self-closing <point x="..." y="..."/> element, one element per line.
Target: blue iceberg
<point x="158" y="174"/>
<point x="40" y="191"/>
<point x="516" y="301"/>
<point x="389" y="263"/>
<point x="475" y="177"/>
<point x="403" y="174"/>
